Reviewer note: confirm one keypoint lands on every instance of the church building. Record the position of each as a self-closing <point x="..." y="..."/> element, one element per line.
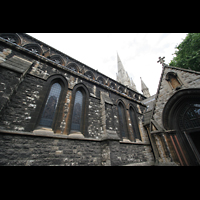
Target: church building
<point x="56" y="110"/>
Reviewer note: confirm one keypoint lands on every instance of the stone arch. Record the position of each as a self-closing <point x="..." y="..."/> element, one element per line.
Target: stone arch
<point x="35" y="48"/>
<point x="73" y="66"/>
<point x="173" y="102"/>
<point x="121" y="89"/>
<point x="12" y="37"/>
<point x="89" y="74"/>
<point x="57" y="59"/>
<point x="112" y="85"/>
<point x="183" y="123"/>
<point x="101" y="80"/>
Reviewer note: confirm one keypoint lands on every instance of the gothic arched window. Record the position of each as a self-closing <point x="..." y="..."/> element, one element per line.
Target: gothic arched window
<point x="78" y="120"/>
<point x="50" y="106"/>
<point x="134" y="123"/>
<point x="122" y="121"/>
<point x="77" y="111"/>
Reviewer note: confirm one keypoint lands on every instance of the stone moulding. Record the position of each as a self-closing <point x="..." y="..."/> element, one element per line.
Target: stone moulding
<point x="71" y="137"/>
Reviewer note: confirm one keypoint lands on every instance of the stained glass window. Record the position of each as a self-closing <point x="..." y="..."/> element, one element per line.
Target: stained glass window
<point x="51" y="105"/>
<point x="134" y="124"/>
<point x="190" y="116"/>
<point x="122" y="120"/>
<point x="77" y="111"/>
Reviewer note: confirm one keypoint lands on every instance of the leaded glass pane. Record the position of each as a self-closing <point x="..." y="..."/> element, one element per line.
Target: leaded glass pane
<point x="50" y="107"/>
<point x="77" y="111"/>
<point x="121" y="120"/>
<point x="190" y="116"/>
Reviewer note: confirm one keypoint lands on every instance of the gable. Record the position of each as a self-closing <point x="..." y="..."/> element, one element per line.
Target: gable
<point x="180" y="79"/>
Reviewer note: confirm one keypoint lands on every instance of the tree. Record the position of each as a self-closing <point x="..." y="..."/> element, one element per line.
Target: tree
<point x="188" y="54"/>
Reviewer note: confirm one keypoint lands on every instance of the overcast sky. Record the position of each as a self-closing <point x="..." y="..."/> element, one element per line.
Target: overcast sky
<point x="138" y="52"/>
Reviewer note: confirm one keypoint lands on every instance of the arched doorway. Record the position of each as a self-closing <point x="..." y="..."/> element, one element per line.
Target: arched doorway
<point x="182" y="115"/>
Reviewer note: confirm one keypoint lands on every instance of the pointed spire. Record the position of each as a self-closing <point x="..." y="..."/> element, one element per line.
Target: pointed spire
<point x="133" y="86"/>
<point x="122" y="76"/>
<point x="145" y="89"/>
<point x="119" y="65"/>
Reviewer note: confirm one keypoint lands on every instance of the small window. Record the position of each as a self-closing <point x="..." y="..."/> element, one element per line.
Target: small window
<point x="172" y="78"/>
<point x="50" y="107"/>
<point x="77" y="111"/>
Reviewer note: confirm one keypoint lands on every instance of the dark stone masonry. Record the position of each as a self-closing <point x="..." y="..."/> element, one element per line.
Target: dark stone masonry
<point x="77" y="123"/>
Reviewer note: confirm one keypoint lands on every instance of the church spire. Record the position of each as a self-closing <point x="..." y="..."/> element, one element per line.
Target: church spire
<point x="120" y="66"/>
<point x="145" y="89"/>
<point x="122" y="75"/>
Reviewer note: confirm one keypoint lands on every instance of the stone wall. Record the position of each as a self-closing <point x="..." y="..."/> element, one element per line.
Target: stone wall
<point x="31" y="150"/>
<point x="28" y="150"/>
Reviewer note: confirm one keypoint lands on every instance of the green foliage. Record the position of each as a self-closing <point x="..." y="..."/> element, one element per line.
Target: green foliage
<point x="188" y="53"/>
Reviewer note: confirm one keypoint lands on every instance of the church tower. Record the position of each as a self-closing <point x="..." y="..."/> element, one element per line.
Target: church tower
<point x="145" y="89"/>
<point x="123" y="77"/>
